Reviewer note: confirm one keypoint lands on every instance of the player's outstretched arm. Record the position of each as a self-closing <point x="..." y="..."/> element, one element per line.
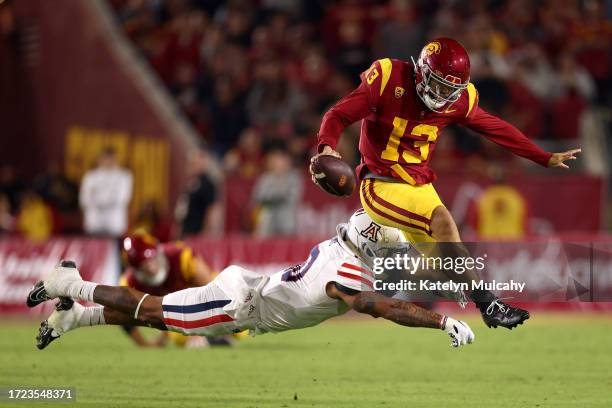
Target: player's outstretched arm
<point x="401" y="312"/>
<point x="504" y="134"/>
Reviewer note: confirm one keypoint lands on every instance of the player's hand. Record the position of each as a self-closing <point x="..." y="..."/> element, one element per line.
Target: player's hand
<point x="558" y="159"/>
<point x="327" y="150"/>
<point x="459" y="332"/>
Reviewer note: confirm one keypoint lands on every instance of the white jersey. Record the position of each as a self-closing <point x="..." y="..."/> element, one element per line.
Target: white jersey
<point x="295" y="297"/>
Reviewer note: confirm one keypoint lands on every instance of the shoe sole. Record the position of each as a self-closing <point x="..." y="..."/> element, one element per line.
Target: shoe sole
<point x="509" y="327"/>
<point x="45" y="332"/>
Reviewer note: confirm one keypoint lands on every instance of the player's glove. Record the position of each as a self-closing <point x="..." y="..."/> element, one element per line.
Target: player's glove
<point x="458" y="330"/>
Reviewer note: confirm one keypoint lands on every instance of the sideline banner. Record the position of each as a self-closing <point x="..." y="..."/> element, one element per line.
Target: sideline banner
<point x="23" y="263"/>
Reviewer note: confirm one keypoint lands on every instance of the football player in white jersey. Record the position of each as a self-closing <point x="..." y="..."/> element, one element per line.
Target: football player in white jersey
<point x="336" y="277"/>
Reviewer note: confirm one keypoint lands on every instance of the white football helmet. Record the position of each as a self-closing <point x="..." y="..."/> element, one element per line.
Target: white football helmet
<point x="368" y="239"/>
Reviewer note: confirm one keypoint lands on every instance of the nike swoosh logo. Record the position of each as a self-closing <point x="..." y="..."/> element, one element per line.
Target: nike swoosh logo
<point x="450" y="111"/>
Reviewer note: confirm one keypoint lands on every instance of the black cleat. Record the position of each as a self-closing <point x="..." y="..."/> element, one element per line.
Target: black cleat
<point x="67" y="264"/>
<point x="37" y="295"/>
<point x="46" y="333"/>
<point x="45" y="336"/>
<point x="65" y="303"/>
<point x="497" y="313"/>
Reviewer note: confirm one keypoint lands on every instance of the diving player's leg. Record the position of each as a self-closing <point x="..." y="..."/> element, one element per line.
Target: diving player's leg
<point x="193" y="312"/>
<point x="65" y="281"/>
<point x="69" y="315"/>
<point x="130" y="302"/>
<point x="199" y="312"/>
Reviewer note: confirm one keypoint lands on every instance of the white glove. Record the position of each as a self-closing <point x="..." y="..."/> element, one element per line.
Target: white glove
<point x="459" y="331"/>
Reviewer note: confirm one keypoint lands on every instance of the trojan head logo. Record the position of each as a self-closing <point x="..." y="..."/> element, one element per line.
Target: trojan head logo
<point x="433" y="47"/>
<point x="399" y="92"/>
<point x="371" y="233"/>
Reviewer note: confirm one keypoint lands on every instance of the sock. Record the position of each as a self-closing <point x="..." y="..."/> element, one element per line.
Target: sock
<point x="482" y="298"/>
<point x="82" y="290"/>
<point x="92" y="316"/>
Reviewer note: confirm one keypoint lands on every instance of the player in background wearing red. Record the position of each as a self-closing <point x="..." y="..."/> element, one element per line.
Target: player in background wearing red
<point x="403" y="107"/>
<point x="160" y="269"/>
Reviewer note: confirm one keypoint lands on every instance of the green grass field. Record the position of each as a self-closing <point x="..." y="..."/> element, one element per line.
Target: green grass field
<point x="552" y="361"/>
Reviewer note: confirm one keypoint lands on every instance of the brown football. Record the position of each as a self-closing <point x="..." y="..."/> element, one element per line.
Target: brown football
<point x="334" y="175"/>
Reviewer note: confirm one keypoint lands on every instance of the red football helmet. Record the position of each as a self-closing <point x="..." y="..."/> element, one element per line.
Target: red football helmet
<point x="138" y="248"/>
<point x="442" y="73"/>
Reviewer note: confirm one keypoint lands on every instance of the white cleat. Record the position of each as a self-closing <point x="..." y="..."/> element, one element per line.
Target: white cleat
<point x="64" y="318"/>
<point x="55" y="284"/>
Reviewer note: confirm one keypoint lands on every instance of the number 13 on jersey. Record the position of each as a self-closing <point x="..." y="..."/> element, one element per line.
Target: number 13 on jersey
<point x="429" y="134"/>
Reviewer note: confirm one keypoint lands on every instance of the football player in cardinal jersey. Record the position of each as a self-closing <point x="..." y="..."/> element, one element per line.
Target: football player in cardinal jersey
<point x="403" y="107"/>
<point x="336" y="277"/>
<point x="159" y="269"/>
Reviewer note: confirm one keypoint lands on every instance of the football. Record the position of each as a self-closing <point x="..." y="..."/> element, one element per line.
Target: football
<point x="334" y="175"/>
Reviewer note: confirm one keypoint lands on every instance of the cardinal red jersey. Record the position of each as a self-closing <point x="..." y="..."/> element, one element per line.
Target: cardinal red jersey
<point x="181" y="264"/>
<point x="399" y="133"/>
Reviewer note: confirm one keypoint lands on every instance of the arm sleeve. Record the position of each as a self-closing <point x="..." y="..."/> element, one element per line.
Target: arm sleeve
<point x="504" y="134"/>
<point x="348" y="110"/>
<point x="355" y="277"/>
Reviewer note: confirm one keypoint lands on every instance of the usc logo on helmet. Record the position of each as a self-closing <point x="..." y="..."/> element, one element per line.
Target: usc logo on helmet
<point x="433" y="47"/>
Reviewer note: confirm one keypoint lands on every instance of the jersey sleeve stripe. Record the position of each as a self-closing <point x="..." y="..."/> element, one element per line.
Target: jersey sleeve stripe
<point x="198" y="323"/>
<point x="471" y="90"/>
<point x="358" y="278"/>
<point x="357" y="268"/>
<point x="386" y="67"/>
<point x="367" y="277"/>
